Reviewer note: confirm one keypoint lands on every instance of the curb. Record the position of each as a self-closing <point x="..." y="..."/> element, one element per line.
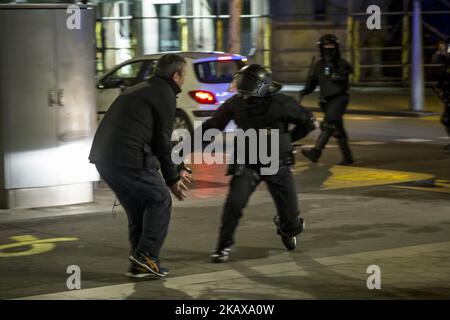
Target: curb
<point x="409" y="114"/>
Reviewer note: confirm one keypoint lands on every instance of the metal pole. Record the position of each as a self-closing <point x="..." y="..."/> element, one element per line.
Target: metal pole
<point x="350" y="34"/>
<point x="234" y="26"/>
<point x="357" y="52"/>
<point x="219" y="27"/>
<point x="406" y="31"/>
<point x="184" y="32"/>
<point x="267" y="60"/>
<point x="417" y="80"/>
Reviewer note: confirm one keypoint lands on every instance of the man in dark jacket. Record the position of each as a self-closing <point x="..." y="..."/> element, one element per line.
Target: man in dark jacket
<point x="131" y="144"/>
<point x="258" y="107"/>
<point x="331" y="73"/>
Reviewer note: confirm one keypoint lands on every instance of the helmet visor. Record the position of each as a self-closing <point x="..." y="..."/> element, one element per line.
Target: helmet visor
<point x="247" y="84"/>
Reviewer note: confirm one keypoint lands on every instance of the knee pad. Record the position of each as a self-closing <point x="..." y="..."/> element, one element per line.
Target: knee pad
<point x="293" y="227"/>
<point x="327" y="126"/>
<point x="340" y="134"/>
<point x="335" y="127"/>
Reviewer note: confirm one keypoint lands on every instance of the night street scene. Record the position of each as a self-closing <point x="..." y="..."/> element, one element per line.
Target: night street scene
<point x="227" y="156"/>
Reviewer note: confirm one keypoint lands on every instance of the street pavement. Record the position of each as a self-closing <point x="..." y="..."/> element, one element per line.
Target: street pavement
<point x="376" y="100"/>
<point x="390" y="212"/>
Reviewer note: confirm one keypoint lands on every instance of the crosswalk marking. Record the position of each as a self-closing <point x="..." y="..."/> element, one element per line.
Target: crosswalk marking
<point x="413" y="140"/>
<point x="351" y="117"/>
<point x="367" y="143"/>
<point x="328" y="146"/>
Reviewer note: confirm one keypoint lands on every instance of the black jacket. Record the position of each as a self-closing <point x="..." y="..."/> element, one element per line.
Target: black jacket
<point x="272" y="112"/>
<point x="444" y="79"/>
<point x="136" y="130"/>
<point x="333" y="78"/>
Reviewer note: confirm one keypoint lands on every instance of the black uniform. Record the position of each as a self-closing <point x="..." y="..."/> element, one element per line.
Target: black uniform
<point x="269" y="112"/>
<point x="132" y="142"/>
<point x="331" y="73"/>
<point x="444" y="86"/>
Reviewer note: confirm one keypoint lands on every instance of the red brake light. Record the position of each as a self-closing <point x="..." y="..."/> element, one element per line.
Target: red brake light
<point x="203" y="97"/>
<point x="225" y="58"/>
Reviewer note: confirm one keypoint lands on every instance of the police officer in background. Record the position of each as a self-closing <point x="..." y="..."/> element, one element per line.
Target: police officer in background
<point x="444" y="90"/>
<point x="257" y="105"/>
<point x="331" y="73"/>
<point x="440" y="55"/>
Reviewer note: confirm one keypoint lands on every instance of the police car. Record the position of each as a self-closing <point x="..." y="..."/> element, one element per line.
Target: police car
<point x="208" y="78"/>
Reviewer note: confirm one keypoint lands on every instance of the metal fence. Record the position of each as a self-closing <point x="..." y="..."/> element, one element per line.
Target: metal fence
<point x="286" y="44"/>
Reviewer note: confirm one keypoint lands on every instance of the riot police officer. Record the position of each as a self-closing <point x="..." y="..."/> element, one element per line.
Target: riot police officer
<point x="331" y="73"/>
<point x="444" y="91"/>
<point x="257" y="105"/>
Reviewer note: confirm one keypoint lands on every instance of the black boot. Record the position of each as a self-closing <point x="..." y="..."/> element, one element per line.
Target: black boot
<point x="312" y="154"/>
<point x="315" y="153"/>
<point x="289" y="242"/>
<point x="346" y="152"/>
<point x="220" y="255"/>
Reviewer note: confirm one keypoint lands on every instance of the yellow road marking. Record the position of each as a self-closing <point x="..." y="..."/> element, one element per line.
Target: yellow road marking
<point x="350" y="177"/>
<point x="37" y="245"/>
<point x="440" y="186"/>
<point x="342" y="177"/>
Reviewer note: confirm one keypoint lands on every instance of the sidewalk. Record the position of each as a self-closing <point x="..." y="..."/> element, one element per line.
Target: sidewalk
<point x="375" y="101"/>
<point x="384" y="214"/>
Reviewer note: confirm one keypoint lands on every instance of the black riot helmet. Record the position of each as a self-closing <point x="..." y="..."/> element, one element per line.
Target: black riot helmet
<point x="329" y="53"/>
<point x="255" y="80"/>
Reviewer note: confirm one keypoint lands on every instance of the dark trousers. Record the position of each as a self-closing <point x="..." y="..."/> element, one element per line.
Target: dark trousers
<point x="333" y="124"/>
<point x="281" y="187"/>
<point x="147" y="202"/>
<point x="334" y="108"/>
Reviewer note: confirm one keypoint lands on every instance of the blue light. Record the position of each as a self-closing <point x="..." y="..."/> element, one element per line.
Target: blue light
<point x="221" y="58"/>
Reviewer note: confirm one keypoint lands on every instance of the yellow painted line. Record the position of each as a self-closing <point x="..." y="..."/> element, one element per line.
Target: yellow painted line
<point x="442" y="183"/>
<point x="430" y="189"/>
<point x="440" y="186"/>
<point x="350" y="117"/>
<point x="342" y="177"/>
<point x="36" y="245"/>
<point x="350" y="177"/>
<point x="431" y="118"/>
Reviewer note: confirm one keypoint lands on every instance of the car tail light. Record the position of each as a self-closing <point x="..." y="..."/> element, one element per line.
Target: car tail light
<point x="203" y="97"/>
<point x="225" y="58"/>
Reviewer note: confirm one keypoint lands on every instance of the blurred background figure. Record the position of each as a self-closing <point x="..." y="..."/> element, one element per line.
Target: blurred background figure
<point x="444" y="88"/>
<point x="439" y="57"/>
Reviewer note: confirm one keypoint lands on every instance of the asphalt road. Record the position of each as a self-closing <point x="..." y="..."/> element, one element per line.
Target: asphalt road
<point x="390" y="210"/>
